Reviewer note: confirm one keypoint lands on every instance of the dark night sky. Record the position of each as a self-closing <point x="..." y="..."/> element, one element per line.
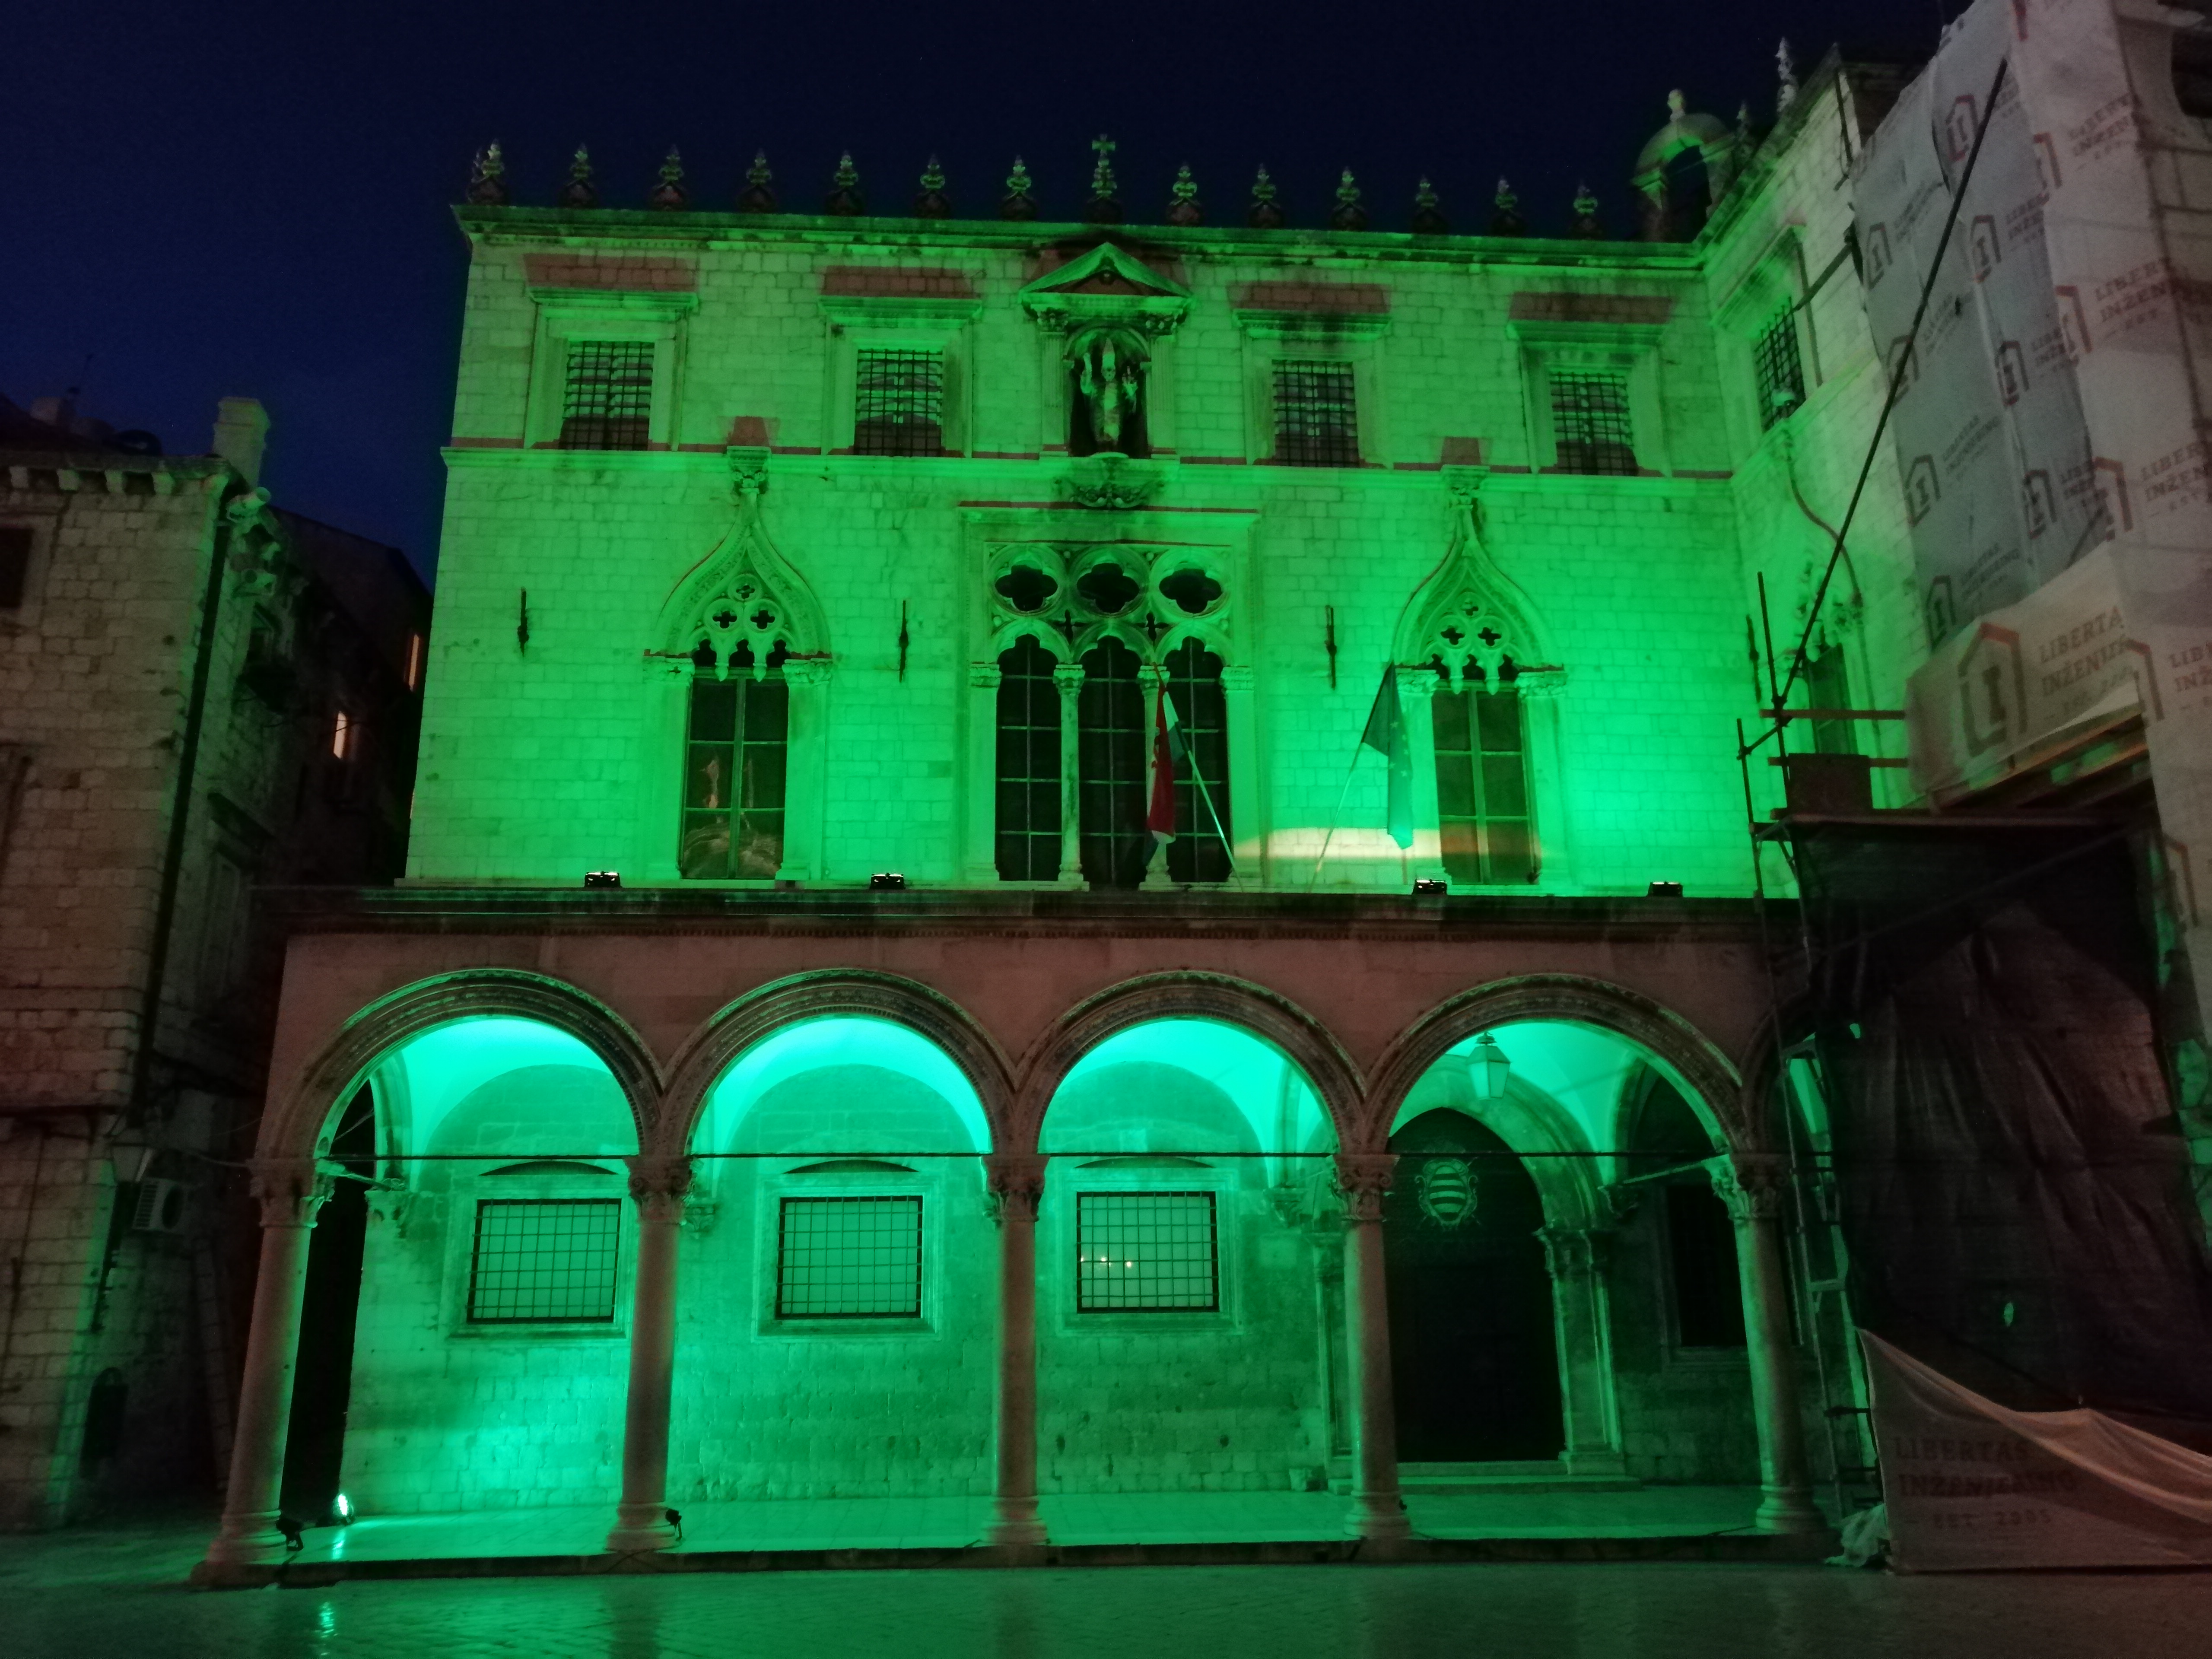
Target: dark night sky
<point x="253" y="198"/>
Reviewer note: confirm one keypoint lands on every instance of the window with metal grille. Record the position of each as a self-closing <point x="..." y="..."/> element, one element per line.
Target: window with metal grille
<point x="1145" y="1253"/>
<point x="1029" y="820"/>
<point x="543" y="1259"/>
<point x="1589" y="422"/>
<point x="898" y="403"/>
<point x="1110" y="738"/>
<point x="1482" y="785"/>
<point x="849" y="1258"/>
<point x="1316" y="415"/>
<point x="608" y="401"/>
<point x="1200" y="851"/>
<point x="1781" y="374"/>
<point x="733" y="774"/>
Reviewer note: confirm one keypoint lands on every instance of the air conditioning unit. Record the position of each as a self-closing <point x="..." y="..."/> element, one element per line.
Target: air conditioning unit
<point x="158" y="1207"/>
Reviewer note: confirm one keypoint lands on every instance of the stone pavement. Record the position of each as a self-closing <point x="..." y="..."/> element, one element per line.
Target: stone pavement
<point x="91" y="1593"/>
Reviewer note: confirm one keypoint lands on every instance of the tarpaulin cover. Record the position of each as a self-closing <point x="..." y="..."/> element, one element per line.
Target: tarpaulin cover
<point x="2014" y="1197"/>
<point x="1970" y="1484"/>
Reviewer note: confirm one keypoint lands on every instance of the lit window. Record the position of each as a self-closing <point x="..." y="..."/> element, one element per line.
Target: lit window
<point x="414" y="660"/>
<point x="543" y="1259"/>
<point x="1316" y="416"/>
<point x="608" y="401"/>
<point x="849" y="1258"/>
<point x="1781" y="374"/>
<point x="733" y="775"/>
<point x="1145" y="1253"/>
<point x="1028" y="811"/>
<point x="342" y="734"/>
<point x="1482" y="785"/>
<point x="1589" y="422"/>
<point x="899" y="403"/>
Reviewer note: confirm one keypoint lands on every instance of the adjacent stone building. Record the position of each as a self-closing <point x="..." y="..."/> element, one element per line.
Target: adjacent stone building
<point x="199" y="692"/>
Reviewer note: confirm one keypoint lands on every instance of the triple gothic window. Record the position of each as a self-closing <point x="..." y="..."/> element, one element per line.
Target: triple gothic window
<point x="1482" y="783"/>
<point x="734" y="756"/>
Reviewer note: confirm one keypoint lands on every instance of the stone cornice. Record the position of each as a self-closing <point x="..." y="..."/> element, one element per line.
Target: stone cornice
<point x="953" y="913"/>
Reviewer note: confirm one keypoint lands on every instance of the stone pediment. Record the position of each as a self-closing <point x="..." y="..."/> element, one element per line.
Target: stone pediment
<point x="1109" y="282"/>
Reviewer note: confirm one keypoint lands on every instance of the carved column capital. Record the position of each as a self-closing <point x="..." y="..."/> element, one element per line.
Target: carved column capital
<point x="1069" y="677"/>
<point x="1016" y="1181"/>
<point x="1576" y="1252"/>
<point x="1364" y="1178"/>
<point x="1751" y="1184"/>
<point x="659" y="1183"/>
<point x="984" y="676"/>
<point x="748" y="470"/>
<point x="807" y="670"/>
<point x="290" y="1190"/>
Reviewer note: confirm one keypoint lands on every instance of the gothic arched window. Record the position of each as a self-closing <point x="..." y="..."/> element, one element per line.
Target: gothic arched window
<point x="1111" y="737"/>
<point x="1482" y="781"/>
<point x="1200" y="851"/>
<point x="733" y="770"/>
<point x="1029" y="807"/>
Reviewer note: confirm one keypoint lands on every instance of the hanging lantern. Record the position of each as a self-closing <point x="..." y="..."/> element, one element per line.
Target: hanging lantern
<point x="1490" y="1068"/>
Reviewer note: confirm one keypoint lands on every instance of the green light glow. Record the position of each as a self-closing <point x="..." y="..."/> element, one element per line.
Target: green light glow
<point x="1186" y="1085"/>
<point x="504" y="1087"/>
<point x="843" y="1084"/>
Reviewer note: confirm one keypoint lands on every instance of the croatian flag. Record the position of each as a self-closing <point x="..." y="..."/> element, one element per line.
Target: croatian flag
<point x="1167" y="749"/>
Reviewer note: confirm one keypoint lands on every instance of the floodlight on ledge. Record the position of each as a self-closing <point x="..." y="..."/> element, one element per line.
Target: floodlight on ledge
<point x="1490" y="1068"/>
<point x="602" y="878"/>
<point x="1428" y="887"/>
<point x="887" y="881"/>
<point x="1663" y="889"/>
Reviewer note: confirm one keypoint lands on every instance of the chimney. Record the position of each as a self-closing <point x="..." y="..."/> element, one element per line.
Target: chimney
<point x="241" y="434"/>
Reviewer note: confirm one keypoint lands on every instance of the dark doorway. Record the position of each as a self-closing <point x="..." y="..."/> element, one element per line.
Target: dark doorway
<point x="1474" y="1356"/>
<point x="322" y="1383"/>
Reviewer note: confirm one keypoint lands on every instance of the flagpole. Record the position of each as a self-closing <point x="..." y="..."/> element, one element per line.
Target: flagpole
<point x="1342" y="795"/>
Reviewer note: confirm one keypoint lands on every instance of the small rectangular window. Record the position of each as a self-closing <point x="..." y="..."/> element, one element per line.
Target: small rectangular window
<point x="899" y="403"/>
<point x="1145" y="1253"/>
<point x="14" y="564"/>
<point x="1781" y="374"/>
<point x="608" y="401"/>
<point x="1482" y="786"/>
<point x="1701" y="1256"/>
<point x="849" y="1258"/>
<point x="1316" y="415"/>
<point x="1590" y="422"/>
<point x="543" y="1259"/>
<point x="1827" y="684"/>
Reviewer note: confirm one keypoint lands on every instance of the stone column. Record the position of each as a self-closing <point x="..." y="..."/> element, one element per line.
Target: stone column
<point x="290" y="1190"/>
<point x="1377" y="1512"/>
<point x="1068" y="678"/>
<point x="1017" y="1184"/>
<point x="1582" y="1314"/>
<point x="659" y="1185"/>
<point x="980" y="821"/>
<point x="1753" y="1185"/>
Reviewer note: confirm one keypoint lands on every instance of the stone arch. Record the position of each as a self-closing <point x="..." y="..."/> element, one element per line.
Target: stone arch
<point x="294" y="1126"/>
<point x="1468" y="614"/>
<point x="1221" y="997"/>
<point x="1567" y="1185"/>
<point x="1712" y="1085"/>
<point x="759" y="1013"/>
<point x="743" y="593"/>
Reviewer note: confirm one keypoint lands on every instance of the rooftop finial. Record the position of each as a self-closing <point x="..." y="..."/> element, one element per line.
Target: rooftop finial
<point x="669" y="196"/>
<point x="845" y="199"/>
<point x="1018" y="202"/>
<point x="1265" y="212"/>
<point x="1347" y="213"/>
<point x="1785" y="69"/>
<point x="759" y="194"/>
<point x="1743" y="128"/>
<point x="488" y="177"/>
<point x="1587" y="225"/>
<point x="580" y="192"/>
<point x="1506" y="218"/>
<point x="933" y="202"/>
<point x="1104" y="207"/>
<point x="1678" y="107"/>
<point x="1428" y="216"/>
<point x="1184" y="208"/>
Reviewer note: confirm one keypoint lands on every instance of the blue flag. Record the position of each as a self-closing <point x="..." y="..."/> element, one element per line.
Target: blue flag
<point x="1386" y="733"/>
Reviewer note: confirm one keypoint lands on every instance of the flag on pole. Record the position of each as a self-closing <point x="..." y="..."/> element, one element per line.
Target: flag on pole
<point x="1167" y="746"/>
<point x="1386" y="733"/>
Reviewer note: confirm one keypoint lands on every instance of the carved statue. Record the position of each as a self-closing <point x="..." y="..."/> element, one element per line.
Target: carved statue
<point x="1111" y="378"/>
